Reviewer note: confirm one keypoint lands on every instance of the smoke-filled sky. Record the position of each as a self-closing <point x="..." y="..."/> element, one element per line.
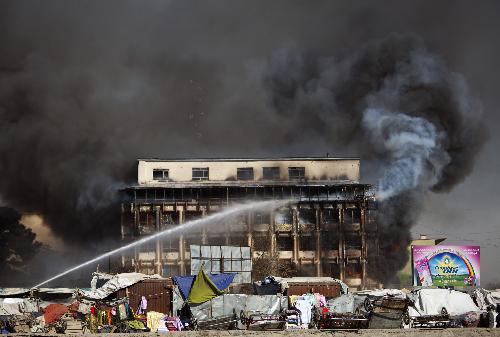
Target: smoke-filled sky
<point x="88" y="87"/>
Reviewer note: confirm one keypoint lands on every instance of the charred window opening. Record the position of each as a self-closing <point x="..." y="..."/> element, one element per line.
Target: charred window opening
<point x="146" y="224"/>
<point x="352" y="215"/>
<point x="244" y="173"/>
<point x="307" y="216"/>
<point x="284" y="243"/>
<point x="331" y="270"/>
<point x="296" y="173"/>
<point x="262" y="243"/>
<point x="171" y="270"/>
<point x="200" y="173"/>
<point x="353" y="269"/>
<point x="330" y="216"/>
<point x="353" y="242"/>
<point x="261" y="218"/>
<point x="271" y="173"/>
<point x="160" y="174"/>
<point x="307" y="243"/>
<point x="329" y="241"/>
<point x="171" y="245"/>
<point x="283" y="217"/>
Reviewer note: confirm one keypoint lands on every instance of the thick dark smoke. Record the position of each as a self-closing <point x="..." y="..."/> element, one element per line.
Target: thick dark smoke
<point x="87" y="88"/>
<point x="400" y="106"/>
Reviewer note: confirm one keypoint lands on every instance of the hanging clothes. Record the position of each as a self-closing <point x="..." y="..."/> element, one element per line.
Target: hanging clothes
<point x="304" y="305"/>
<point x="293" y="299"/>
<point x="143" y="306"/>
<point x="122" y="311"/>
<point x="153" y="320"/>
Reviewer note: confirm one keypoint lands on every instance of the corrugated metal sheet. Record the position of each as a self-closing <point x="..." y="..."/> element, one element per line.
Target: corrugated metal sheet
<point x="328" y="290"/>
<point x="157" y="292"/>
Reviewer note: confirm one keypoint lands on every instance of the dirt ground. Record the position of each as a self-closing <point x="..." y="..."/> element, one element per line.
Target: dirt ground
<point x="312" y="333"/>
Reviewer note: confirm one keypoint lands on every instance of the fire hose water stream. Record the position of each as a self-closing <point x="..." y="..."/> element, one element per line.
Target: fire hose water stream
<point x="211" y="219"/>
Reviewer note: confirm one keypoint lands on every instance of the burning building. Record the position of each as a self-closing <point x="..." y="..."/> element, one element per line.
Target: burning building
<point x="329" y="229"/>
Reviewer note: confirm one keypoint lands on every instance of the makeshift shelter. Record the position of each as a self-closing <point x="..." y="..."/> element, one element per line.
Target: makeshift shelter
<point x="115" y="283"/>
<point x="203" y="289"/>
<point x="432" y="302"/>
<point x="185" y="283"/>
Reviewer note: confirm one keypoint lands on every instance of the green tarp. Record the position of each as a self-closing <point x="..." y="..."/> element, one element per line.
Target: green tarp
<point x="203" y="289"/>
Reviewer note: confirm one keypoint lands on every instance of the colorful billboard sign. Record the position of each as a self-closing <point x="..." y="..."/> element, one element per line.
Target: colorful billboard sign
<point x="446" y="265"/>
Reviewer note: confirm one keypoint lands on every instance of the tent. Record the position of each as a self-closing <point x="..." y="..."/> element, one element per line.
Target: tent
<point x="203" y="289"/>
<point x="185" y="283"/>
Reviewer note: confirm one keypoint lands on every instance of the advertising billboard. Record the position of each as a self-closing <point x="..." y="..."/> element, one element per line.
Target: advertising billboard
<point x="446" y="265"/>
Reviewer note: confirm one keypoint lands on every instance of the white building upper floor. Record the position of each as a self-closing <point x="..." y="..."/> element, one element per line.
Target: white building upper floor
<point x="158" y="172"/>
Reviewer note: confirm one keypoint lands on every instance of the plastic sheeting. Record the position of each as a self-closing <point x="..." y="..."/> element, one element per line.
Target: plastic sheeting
<point x="117" y="282"/>
<point x="483" y="298"/>
<point x="432" y="301"/>
<point x="185" y="283"/>
<point x="396" y="293"/>
<point x="235" y="303"/>
<point x="17" y="306"/>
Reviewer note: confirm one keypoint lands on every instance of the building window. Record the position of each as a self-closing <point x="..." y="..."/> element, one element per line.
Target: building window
<point x="296" y="173"/>
<point x="261" y="218"/>
<point x="200" y="173"/>
<point x="160" y="174"/>
<point x="284" y="243"/>
<point x="271" y="173"/>
<point x="244" y="173"/>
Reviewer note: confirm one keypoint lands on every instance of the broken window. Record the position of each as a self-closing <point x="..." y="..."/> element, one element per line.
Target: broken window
<point x="261" y="218"/>
<point x="307" y="243"/>
<point x="284" y="243"/>
<point x="271" y="173"/>
<point x="307" y="216"/>
<point x="200" y="173"/>
<point x="284" y="216"/>
<point x="160" y="174"/>
<point x="330" y="215"/>
<point x="296" y="173"/>
<point x="244" y="173"/>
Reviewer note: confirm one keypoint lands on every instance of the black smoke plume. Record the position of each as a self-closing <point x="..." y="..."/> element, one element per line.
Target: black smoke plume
<point x="401" y="107"/>
<point x="87" y="88"/>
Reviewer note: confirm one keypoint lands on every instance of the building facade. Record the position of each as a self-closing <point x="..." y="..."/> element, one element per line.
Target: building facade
<point x="330" y="230"/>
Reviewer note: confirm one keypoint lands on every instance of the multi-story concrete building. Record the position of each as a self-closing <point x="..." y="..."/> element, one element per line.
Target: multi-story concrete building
<point x="329" y="231"/>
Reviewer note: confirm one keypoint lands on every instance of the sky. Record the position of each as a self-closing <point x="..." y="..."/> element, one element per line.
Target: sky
<point x="88" y="87"/>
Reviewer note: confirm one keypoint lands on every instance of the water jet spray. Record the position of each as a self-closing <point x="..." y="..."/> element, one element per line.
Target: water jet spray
<point x="188" y="225"/>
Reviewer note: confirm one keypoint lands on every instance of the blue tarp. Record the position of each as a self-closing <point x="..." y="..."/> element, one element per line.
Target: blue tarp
<point x="222" y="281"/>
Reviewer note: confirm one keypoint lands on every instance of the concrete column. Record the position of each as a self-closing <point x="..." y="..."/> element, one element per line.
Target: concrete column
<point x="122" y="233"/>
<point x="249" y="230"/>
<point x="341" y="242"/>
<point x="182" y="249"/>
<point x="295" y="236"/>
<point x="362" y="223"/>
<point x="136" y="248"/>
<point x="272" y="233"/>
<point x="317" y="259"/>
<point x="158" y="257"/>
<point x="204" y="237"/>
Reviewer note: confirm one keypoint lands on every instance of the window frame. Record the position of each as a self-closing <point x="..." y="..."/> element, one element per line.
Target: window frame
<point x="297" y="169"/>
<point x="276" y="169"/>
<point x="244" y="170"/>
<point x="203" y="176"/>
<point x="163" y="174"/>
